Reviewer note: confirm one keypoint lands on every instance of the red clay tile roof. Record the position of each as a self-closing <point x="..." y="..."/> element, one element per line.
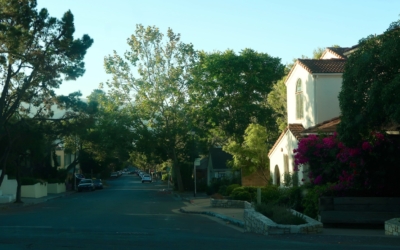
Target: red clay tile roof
<point x="323" y="66"/>
<point x="336" y="51"/>
<point x="294" y="128"/>
<point x="320" y="66"/>
<point x="328" y="126"/>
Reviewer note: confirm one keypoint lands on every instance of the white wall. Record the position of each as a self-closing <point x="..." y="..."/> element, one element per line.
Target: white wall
<point x="327" y="92"/>
<point x="286" y="146"/>
<point x="8" y="187"/>
<point x="329" y="55"/>
<point x="308" y="97"/>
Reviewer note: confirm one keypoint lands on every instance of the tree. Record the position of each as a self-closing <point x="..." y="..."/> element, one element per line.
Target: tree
<point x="252" y="155"/>
<point x="37" y="51"/>
<point x="230" y="91"/>
<point x="157" y="99"/>
<point x="371" y="85"/>
<point x="277" y="100"/>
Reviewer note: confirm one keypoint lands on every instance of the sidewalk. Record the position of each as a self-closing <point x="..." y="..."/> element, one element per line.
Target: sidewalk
<point x="33" y="201"/>
<point x="201" y="205"/>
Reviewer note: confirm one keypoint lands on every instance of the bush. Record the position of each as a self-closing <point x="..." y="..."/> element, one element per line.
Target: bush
<point x="242" y="196"/>
<point x="164" y="177"/>
<point x="54" y="180"/>
<point x="270" y="194"/>
<point x="280" y="214"/>
<point x="217" y="183"/>
<point x="230" y="188"/>
<point x="244" y="193"/>
<point x="311" y="197"/>
<point x="29" y="181"/>
<point x="222" y="190"/>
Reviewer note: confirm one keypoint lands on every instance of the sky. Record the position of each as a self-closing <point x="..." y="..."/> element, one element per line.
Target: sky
<point x="286" y="29"/>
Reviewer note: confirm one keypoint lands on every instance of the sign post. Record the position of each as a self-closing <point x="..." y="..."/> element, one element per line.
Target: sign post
<point x="196" y="163"/>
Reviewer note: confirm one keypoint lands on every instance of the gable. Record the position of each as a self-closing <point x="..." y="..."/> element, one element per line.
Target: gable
<point x="219" y="158"/>
<point x="295" y="129"/>
<point x="318" y="66"/>
<point x="333" y="52"/>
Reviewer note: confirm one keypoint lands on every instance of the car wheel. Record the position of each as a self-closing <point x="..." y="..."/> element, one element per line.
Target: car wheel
<point x="142" y="181"/>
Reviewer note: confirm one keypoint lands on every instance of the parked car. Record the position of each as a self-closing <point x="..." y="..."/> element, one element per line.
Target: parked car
<point x="86" y="184"/>
<point x="98" y="184"/>
<point x="146" y="178"/>
<point x="114" y="174"/>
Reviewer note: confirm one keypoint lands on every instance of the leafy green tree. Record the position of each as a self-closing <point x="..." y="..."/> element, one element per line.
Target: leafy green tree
<point x="157" y="99"/>
<point x="37" y="52"/>
<point x="371" y="87"/>
<point x="252" y="155"/>
<point x="277" y="100"/>
<point x="230" y="90"/>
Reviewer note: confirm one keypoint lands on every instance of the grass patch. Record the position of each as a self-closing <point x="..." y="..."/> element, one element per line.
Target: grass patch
<point x="280" y="215"/>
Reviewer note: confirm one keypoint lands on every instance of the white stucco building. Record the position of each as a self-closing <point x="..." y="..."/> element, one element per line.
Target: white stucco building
<point x="312" y="86"/>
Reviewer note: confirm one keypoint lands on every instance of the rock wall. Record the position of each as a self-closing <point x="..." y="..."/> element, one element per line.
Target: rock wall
<point x="257" y="223"/>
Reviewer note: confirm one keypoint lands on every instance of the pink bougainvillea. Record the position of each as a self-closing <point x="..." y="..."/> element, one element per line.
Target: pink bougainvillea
<point x="330" y="161"/>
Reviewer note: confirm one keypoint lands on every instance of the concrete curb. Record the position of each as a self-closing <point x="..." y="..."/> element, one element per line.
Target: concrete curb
<point x="219" y="216"/>
<point x="25" y="204"/>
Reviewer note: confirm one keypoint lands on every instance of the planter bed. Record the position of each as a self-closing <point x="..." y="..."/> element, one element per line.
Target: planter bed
<point x="226" y="203"/>
<point x="34" y="191"/>
<point x="56" y="188"/>
<point x="257" y="223"/>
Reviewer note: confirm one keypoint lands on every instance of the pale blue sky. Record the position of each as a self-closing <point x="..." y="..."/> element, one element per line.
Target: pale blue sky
<point x="281" y="28"/>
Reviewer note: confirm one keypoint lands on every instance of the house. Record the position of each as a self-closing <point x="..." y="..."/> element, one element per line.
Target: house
<point x="217" y="165"/>
<point x="312" y="86"/>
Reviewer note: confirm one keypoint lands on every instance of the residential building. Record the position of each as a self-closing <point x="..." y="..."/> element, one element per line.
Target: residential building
<point x="312" y="86"/>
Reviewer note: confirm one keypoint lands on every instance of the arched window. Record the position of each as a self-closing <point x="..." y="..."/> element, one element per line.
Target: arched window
<point x="277" y="176"/>
<point x="299" y="100"/>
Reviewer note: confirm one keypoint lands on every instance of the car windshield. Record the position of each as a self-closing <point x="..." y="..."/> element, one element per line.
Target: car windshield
<point x="86" y="181"/>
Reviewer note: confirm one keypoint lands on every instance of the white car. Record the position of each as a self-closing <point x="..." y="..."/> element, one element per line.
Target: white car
<point x="146" y="178"/>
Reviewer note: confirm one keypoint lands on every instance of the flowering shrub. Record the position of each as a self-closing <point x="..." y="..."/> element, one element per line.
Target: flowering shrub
<point x="369" y="169"/>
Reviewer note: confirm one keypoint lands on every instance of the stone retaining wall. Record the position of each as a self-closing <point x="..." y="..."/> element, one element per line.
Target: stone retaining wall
<point x="392" y="227"/>
<point x="258" y="223"/>
<point x="227" y="203"/>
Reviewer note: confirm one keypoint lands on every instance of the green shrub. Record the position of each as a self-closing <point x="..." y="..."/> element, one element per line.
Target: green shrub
<point x="164" y="177"/>
<point x="29" y="181"/>
<point x="280" y="214"/>
<point x="270" y="194"/>
<point x="217" y="183"/>
<point x="230" y="188"/>
<point x="222" y="190"/>
<point x="250" y="192"/>
<point x="242" y="196"/>
<point x="54" y="180"/>
<point x="311" y="197"/>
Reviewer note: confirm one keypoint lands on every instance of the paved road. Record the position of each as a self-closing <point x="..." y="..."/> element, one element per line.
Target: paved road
<point x="132" y="215"/>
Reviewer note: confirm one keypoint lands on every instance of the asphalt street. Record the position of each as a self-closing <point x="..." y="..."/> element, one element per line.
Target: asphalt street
<point x="133" y="215"/>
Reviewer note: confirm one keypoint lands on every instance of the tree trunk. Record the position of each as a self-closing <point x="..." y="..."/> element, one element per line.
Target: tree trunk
<point x="3" y="162"/>
<point x="3" y="173"/>
<point x="18" y="177"/>
<point x="177" y="172"/>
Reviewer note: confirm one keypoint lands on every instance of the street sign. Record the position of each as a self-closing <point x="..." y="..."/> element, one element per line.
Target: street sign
<point x="197" y="162"/>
